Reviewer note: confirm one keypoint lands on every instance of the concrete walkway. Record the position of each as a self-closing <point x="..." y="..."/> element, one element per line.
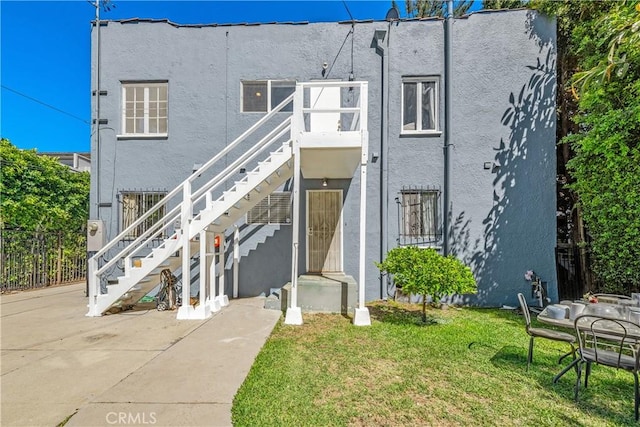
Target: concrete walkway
<point x="133" y="368"/>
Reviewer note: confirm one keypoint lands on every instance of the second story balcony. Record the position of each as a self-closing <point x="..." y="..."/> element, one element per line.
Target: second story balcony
<point x="331" y="122"/>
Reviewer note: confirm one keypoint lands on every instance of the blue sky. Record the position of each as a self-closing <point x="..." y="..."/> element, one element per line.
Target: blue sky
<point x="45" y="57"/>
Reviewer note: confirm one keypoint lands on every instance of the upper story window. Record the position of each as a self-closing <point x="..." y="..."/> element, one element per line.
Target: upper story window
<point x="418" y="219"/>
<point x="420" y="105"/>
<point x="144" y="109"/>
<point x="261" y="96"/>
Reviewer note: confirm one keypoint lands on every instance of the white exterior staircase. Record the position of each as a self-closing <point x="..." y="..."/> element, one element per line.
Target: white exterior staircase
<point x="326" y="137"/>
<point x="162" y="244"/>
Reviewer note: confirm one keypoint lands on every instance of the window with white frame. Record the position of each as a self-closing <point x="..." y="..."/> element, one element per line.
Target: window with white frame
<point x="273" y="209"/>
<point x="134" y="204"/>
<point x="145" y="109"/>
<point x="418" y="219"/>
<point x="261" y="96"/>
<point x="419" y="105"/>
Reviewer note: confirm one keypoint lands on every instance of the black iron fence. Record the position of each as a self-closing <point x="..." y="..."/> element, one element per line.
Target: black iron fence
<point x="34" y="260"/>
<point x="574" y="275"/>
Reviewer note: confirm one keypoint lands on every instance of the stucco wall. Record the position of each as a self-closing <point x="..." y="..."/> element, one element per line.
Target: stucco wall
<point x="505" y="216"/>
<point x="505" y="114"/>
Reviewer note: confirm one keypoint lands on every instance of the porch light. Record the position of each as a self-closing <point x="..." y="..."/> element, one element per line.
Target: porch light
<point x="324" y="182"/>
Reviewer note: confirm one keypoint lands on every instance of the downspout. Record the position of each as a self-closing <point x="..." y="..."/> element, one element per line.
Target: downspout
<point x="382" y="46"/>
<point x="97" y="108"/>
<point x="447" y="127"/>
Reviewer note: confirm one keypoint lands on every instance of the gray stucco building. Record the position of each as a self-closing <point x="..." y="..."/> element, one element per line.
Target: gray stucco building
<point x="172" y="97"/>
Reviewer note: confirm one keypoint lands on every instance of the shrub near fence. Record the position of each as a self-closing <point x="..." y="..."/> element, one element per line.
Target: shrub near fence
<point x="34" y="260"/>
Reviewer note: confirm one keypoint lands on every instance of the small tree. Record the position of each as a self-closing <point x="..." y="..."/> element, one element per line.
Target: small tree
<point x="426" y="272"/>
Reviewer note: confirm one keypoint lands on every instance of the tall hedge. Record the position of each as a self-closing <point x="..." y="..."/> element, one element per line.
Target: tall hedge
<point x="39" y="194"/>
<point x="606" y="166"/>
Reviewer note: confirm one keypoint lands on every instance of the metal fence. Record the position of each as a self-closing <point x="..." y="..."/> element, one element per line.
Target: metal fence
<point x="34" y="260"/>
<point x="574" y="275"/>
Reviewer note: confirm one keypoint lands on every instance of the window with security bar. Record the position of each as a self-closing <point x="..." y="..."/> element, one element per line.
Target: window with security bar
<point x="418" y="216"/>
<point x="134" y="204"/>
<point x="273" y="209"/>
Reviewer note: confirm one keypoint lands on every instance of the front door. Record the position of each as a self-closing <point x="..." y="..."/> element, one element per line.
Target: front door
<point x="324" y="231"/>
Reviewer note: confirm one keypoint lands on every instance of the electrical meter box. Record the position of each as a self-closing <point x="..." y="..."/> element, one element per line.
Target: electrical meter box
<point x="95" y="235"/>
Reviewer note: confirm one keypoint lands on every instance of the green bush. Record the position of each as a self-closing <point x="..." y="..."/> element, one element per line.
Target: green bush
<point x="425" y="272"/>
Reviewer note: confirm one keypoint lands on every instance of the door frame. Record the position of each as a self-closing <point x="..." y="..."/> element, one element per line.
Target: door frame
<point x="340" y="219"/>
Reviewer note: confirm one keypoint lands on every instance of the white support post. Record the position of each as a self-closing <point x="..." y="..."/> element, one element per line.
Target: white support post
<point x="223" y="299"/>
<point x="208" y="199"/>
<point x="186" y="309"/>
<point x="211" y="264"/>
<point x="236" y="260"/>
<point x="202" y="311"/>
<point x="361" y="317"/>
<point x="94" y="288"/>
<point x="294" y="313"/>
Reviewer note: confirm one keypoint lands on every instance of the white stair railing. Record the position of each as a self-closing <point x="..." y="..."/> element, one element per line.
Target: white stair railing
<point x="161" y="228"/>
<point x="189" y="208"/>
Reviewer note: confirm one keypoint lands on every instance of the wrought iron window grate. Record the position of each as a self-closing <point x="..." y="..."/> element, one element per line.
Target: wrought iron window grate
<point x="273" y="209"/>
<point x="419" y="215"/>
<point x="134" y="204"/>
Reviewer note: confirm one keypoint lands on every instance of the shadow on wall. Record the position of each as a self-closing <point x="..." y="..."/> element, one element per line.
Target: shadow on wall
<point x="516" y="184"/>
<point x="270" y="260"/>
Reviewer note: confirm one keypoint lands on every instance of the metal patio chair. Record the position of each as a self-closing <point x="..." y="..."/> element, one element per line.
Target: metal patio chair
<point x="544" y="333"/>
<point x="608" y="342"/>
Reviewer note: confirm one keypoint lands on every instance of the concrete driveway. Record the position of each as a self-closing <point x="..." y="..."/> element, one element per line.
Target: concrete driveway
<point x="133" y="368"/>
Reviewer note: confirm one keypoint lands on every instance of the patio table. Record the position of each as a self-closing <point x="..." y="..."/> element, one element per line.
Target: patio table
<point x="620" y="312"/>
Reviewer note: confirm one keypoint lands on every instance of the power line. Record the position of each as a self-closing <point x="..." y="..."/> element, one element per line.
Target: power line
<point x="326" y="75"/>
<point x="45" y="104"/>
<point x="348" y="11"/>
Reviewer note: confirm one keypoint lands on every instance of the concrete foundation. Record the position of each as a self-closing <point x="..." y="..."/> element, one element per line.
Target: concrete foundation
<point x="329" y="293"/>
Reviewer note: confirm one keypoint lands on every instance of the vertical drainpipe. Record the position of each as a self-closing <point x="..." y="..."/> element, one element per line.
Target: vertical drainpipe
<point x="382" y="46"/>
<point x="97" y="108"/>
<point x="447" y="126"/>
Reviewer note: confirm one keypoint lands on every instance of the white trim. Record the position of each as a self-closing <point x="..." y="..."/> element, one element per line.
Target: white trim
<point x="419" y="80"/>
<point x="421" y="133"/>
<point x="269" y="91"/>
<point x="293" y="316"/>
<point x="146" y="102"/>
<point x="328" y="190"/>
<point x="270" y="205"/>
<point x="142" y="136"/>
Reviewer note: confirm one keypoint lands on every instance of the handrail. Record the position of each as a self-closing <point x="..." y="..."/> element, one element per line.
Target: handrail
<point x="185" y="199"/>
<point x="325" y="83"/>
<point x="137" y="244"/>
<point x="331" y="110"/>
<point x="247" y="157"/>
<point x="133" y="247"/>
<point x="267" y="140"/>
<point x="136" y="223"/>
<point x="241" y="138"/>
<point x="202" y="169"/>
<point x="360" y="110"/>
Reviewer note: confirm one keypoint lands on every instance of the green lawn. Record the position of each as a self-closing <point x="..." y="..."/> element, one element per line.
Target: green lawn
<point x="465" y="367"/>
